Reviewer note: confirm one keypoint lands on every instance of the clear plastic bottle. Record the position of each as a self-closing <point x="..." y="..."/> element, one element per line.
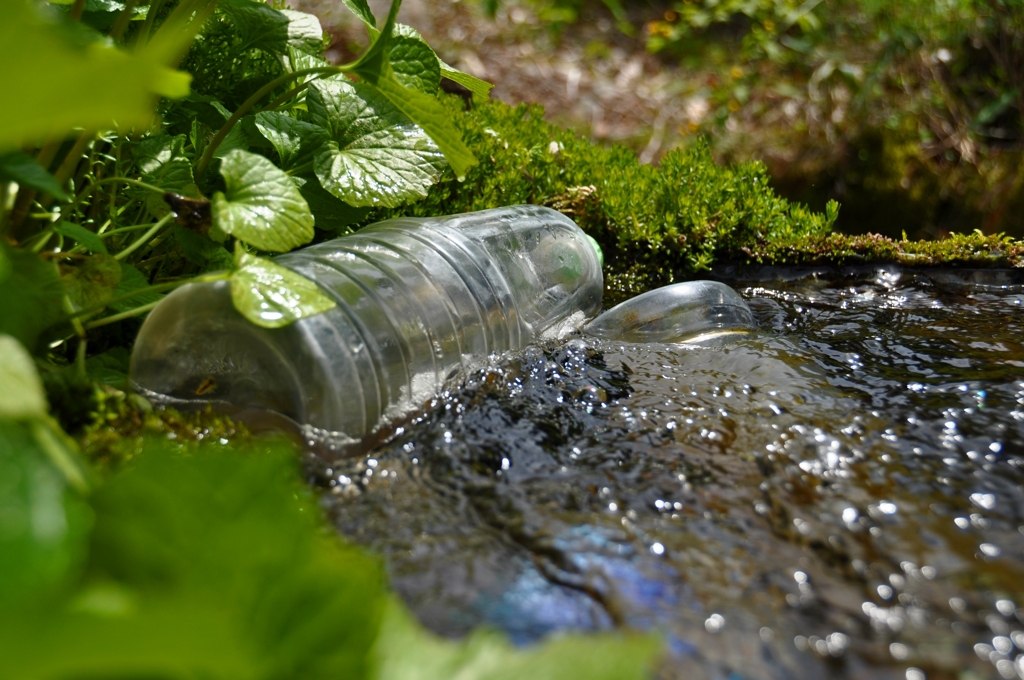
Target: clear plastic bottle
<point x="694" y="311"/>
<point x="418" y="300"/>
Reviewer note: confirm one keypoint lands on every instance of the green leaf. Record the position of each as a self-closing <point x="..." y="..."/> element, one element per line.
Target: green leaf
<point x="110" y="367"/>
<point x="19" y="167"/>
<point x="92" y="281"/>
<point x="414" y="64"/>
<point x="362" y="10"/>
<point x="45" y="525"/>
<point x="86" y="238"/>
<point x="162" y="162"/>
<point x="424" y="110"/>
<point x="404" y="651"/>
<point x="88" y="86"/>
<point x="201" y="250"/>
<point x="21" y="390"/>
<point x="376" y="155"/>
<point x="295" y="141"/>
<point x="257" y="25"/>
<point x="132" y="280"/>
<point x="272" y="296"/>
<point x="261" y="205"/>
<point x="206" y="566"/>
<point x="304" y="31"/>
<point x="31" y="296"/>
<point x="479" y="88"/>
<point x="330" y="212"/>
<point x="429" y="114"/>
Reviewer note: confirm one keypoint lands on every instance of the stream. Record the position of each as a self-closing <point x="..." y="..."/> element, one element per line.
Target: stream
<point x="840" y="495"/>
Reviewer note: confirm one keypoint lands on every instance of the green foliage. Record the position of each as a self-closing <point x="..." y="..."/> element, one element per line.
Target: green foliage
<point x="939" y="83"/>
<point x="273" y="296"/>
<point x="657" y="224"/>
<point x="260" y="204"/>
<point x="487" y="655"/>
<point x="105" y="83"/>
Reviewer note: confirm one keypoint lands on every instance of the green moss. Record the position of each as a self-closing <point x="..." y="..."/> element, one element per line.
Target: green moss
<point x="662" y="224"/>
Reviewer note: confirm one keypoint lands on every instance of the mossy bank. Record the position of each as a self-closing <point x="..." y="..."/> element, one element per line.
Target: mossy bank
<point x="671" y="222"/>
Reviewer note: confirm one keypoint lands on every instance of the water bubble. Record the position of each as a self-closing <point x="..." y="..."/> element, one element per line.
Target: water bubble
<point x="916" y="674"/>
<point x="1005" y="607"/>
<point x="658" y="549"/>
<point x="990" y="549"/>
<point x="984" y="500"/>
<point x="899" y="651"/>
<point x="714" y="623"/>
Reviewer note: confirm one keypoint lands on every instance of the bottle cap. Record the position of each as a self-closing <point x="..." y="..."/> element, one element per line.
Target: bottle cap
<point x="597" y="249"/>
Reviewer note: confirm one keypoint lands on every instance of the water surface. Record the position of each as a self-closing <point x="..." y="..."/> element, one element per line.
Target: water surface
<point x="837" y="496"/>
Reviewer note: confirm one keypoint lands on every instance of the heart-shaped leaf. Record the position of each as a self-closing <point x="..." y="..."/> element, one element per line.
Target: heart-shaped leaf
<point x="414" y="64"/>
<point x="272" y="296"/>
<point x="295" y="141"/>
<point x="31" y="295"/>
<point x="376" y="155"/>
<point x="261" y="204"/>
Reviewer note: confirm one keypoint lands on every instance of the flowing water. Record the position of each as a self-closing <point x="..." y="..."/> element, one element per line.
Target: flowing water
<point x="840" y="495"/>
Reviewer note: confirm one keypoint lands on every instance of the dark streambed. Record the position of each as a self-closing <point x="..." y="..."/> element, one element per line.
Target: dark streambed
<point x="838" y="497"/>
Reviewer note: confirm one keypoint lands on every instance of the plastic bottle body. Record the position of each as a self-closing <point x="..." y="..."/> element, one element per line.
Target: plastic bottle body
<point x="694" y="311"/>
<point x="418" y="300"/>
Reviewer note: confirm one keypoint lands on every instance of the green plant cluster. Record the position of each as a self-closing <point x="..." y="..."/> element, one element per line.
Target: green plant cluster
<point x="147" y="558"/>
<point x="209" y="560"/>
<point x="661" y="224"/>
<point x="946" y="77"/>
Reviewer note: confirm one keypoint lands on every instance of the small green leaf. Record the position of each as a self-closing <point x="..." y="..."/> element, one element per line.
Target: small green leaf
<point x="21" y="390"/>
<point x="88" y="239"/>
<point x="110" y="368"/>
<point x="272" y="296"/>
<point x="414" y="64"/>
<point x="19" y="167"/>
<point x="132" y="280"/>
<point x="330" y="212"/>
<point x="295" y="141"/>
<point x="258" y="25"/>
<point x="162" y="162"/>
<point x="304" y="31"/>
<point x="261" y="204"/>
<point x="92" y="281"/>
<point x="201" y="250"/>
<point x="362" y="10"/>
<point x="376" y="156"/>
<point x="31" y="296"/>
<point x="479" y="88"/>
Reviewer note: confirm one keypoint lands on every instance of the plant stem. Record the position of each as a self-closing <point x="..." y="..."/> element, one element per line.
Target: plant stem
<point x="126" y="180"/>
<point x="139" y="242"/>
<point x="120" y="317"/>
<point x="123" y="19"/>
<point x="142" y="37"/>
<point x="76" y="10"/>
<point x="201" y="166"/>
<point x="158" y="288"/>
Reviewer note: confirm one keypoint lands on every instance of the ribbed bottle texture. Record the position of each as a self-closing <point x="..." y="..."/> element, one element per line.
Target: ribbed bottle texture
<point x="418" y="300"/>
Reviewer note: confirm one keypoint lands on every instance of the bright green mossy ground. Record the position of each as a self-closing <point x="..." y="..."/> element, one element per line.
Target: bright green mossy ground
<point x="660" y="224"/>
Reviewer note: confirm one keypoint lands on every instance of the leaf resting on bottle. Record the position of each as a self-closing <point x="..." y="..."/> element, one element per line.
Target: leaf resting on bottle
<point x="272" y="296"/>
<point x="261" y="204"/>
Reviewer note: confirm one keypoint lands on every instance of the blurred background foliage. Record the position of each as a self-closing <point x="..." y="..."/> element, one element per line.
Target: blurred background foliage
<point x="908" y="113"/>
